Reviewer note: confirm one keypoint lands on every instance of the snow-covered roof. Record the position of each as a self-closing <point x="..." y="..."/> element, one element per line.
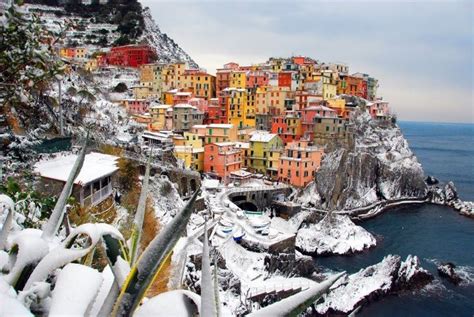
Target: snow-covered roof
<point x="224" y="143"/>
<point x="262" y="137"/>
<point x="324" y="108"/>
<point x="199" y="126"/>
<point x="184" y="106"/>
<point x="241" y="173"/>
<point x="96" y="166"/>
<point x="221" y="125"/>
<point x="242" y="145"/>
<point x="188" y="148"/>
<point x="160" y="106"/>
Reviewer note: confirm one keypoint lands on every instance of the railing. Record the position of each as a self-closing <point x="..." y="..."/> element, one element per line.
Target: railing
<point x="98" y="196"/>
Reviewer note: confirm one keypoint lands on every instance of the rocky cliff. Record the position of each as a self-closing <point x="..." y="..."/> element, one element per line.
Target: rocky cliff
<point x="167" y="50"/>
<point x="379" y="166"/>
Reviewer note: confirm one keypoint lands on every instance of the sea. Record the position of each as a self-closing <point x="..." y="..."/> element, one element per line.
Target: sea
<point x="435" y="234"/>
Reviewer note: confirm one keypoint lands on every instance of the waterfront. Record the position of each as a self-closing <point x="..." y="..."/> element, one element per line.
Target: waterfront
<point x="433" y="233"/>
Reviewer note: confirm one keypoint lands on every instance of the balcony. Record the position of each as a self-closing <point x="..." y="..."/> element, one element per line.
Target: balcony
<point x="99" y="196"/>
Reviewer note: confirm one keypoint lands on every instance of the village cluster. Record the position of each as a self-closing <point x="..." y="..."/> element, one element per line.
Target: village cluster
<point x="273" y="119"/>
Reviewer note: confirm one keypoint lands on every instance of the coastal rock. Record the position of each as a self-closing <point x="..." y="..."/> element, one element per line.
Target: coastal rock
<point x="379" y="167"/>
<point x="334" y="234"/>
<point x="389" y="276"/>
<point x="447" y="195"/>
<point x="430" y="180"/>
<point x="448" y="271"/>
<point x="289" y="264"/>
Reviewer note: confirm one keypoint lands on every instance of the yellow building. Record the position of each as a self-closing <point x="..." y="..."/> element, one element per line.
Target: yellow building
<point x="192" y="157"/>
<point x="91" y="65"/>
<point x="202" y="84"/>
<point x="329" y="85"/>
<point x="215" y="132"/>
<point x="141" y="92"/>
<point x="158" y="117"/>
<point x="150" y="76"/>
<point x="273" y="162"/>
<point x="262" y="144"/>
<point x="238" y="79"/>
<point x="338" y="104"/>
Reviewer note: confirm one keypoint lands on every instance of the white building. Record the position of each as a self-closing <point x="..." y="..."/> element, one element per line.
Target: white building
<point x="93" y="184"/>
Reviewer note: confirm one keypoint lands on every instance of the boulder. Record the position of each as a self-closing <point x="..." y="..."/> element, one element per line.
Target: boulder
<point x="448" y="271"/>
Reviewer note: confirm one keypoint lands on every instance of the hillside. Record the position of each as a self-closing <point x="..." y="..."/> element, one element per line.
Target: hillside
<point x="106" y="25"/>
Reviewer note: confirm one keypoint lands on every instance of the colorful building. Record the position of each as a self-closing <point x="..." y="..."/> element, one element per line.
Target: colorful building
<point x="299" y="163"/>
<point x="158" y="117"/>
<point x="130" y="55"/>
<point x="136" y="106"/>
<point x="150" y="76"/>
<point x="288" y="127"/>
<point x="262" y="144"/>
<point x="185" y="116"/>
<point x="222" y="158"/>
<point x="216" y="132"/>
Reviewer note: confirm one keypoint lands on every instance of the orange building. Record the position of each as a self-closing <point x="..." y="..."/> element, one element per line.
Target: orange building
<point x="299" y="163"/>
<point x="288" y="127"/>
<point x="222" y="158"/>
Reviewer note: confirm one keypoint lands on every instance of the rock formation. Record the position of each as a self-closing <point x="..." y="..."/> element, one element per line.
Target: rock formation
<point x="380" y="166"/>
<point x="389" y="276"/>
<point x="335" y="234"/>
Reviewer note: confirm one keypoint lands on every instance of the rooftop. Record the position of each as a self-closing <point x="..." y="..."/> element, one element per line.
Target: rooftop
<point x="261" y="136"/>
<point x="96" y="166"/>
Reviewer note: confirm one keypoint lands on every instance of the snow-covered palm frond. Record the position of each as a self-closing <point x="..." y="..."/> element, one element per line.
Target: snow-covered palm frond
<point x="296" y="304"/>
<point x="76" y="288"/>
<point x="54" y="221"/>
<point x="173" y="303"/>
<point x="64" y="254"/>
<point x="208" y="295"/>
<point x="151" y="261"/>
<point x="139" y="216"/>
<point x="6" y="206"/>
<point x="26" y="250"/>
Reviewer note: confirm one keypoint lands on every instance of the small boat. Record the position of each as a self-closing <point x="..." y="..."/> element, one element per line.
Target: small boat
<point x="238" y="234"/>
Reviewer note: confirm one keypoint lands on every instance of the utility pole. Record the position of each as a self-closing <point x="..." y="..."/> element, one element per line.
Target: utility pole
<point x="61" y="126"/>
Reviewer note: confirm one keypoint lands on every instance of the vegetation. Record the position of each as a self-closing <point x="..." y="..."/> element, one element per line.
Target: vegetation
<point x="127" y="14"/>
<point x="28" y="63"/>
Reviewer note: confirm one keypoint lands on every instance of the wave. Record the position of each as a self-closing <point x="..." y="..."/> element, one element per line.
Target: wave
<point x="465" y="272"/>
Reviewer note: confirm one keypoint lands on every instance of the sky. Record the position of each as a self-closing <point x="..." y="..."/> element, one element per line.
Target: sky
<point x="421" y="51"/>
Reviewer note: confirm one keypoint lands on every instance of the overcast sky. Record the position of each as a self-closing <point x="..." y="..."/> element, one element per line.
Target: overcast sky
<point x="421" y="51"/>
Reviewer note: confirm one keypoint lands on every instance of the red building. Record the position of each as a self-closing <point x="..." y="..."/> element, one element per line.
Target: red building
<point x="284" y="79"/>
<point x="256" y="79"/>
<point x="130" y="55"/>
<point x="213" y="114"/>
<point x="222" y="158"/>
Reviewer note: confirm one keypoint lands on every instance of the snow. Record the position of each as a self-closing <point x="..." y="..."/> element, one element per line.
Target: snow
<point x="338" y="235"/>
<point x="76" y="287"/>
<point x="9" y="304"/>
<point x="96" y="166"/>
<point x="107" y="284"/>
<point x="349" y="291"/>
<point x="262" y="136"/>
<point x="172" y="303"/>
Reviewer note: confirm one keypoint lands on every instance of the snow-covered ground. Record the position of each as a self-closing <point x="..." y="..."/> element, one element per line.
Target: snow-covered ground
<point x="334" y="234"/>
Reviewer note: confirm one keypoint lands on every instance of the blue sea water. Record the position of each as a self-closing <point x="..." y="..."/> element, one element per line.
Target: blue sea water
<point x="433" y="233"/>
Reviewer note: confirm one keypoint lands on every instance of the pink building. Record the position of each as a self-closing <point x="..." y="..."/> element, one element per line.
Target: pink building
<point x="200" y="103"/>
<point x="379" y="109"/>
<point x="310" y="113"/>
<point x="182" y="97"/>
<point x="222" y="158"/>
<point x="136" y="106"/>
<point x="299" y="163"/>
